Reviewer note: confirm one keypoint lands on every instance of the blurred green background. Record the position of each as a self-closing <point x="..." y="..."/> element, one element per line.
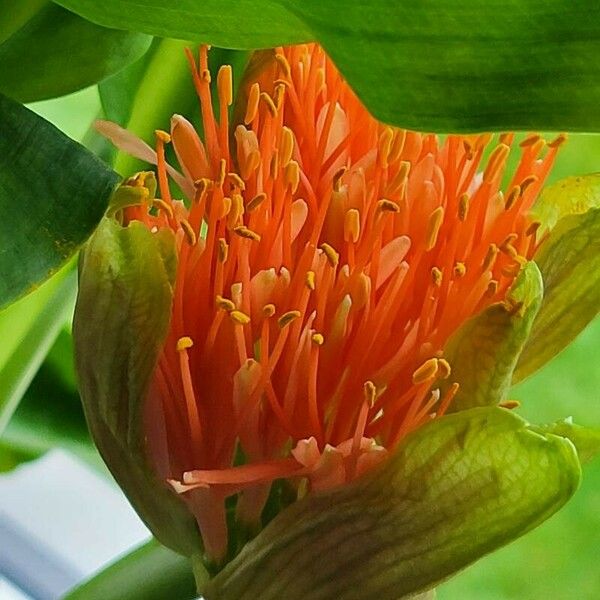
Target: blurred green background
<point x="558" y="561"/>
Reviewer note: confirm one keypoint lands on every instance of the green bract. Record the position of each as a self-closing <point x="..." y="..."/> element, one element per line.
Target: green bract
<point x="123" y="310"/>
<point x="454" y="490"/>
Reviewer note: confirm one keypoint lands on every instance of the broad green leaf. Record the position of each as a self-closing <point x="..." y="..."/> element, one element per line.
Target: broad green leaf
<point x="30" y="328"/>
<point x="151" y="572"/>
<point x="123" y="309"/>
<point x="56" y="52"/>
<point x="585" y="439"/>
<point x="569" y="260"/>
<point x="442" y="66"/>
<point x="53" y="193"/>
<point x="454" y="490"/>
<point x="484" y="351"/>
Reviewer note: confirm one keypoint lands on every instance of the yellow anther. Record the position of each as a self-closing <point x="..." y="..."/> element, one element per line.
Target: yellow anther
<point x="527" y="182"/>
<point x="310" y="280"/>
<point x="201" y="186"/>
<point x="490" y="257"/>
<point x="278" y="95"/>
<point x="352" y="225"/>
<point x="282" y="82"/>
<point x="385" y="205"/>
<point x="505" y="138"/>
<point x="397" y="145"/>
<point x="163" y="136"/>
<point x="236" y="180"/>
<point x="222" y="172"/>
<point x="274" y="165"/>
<point x="530" y="140"/>
<point x="164" y="206"/>
<point x="463" y="207"/>
<point x="224" y="303"/>
<point x="237" y="210"/>
<point x="318" y="339"/>
<point x="183" y="343"/>
<point x="492" y="288"/>
<point x="560" y="139"/>
<point x="286" y="318"/>
<point x="189" y="232"/>
<point x="510" y="404"/>
<point x="252" y="106"/>
<point x="507" y="247"/>
<point x="512" y="197"/>
<point x="370" y="393"/>
<point x="256" y="202"/>
<point x="223" y="250"/>
<point x="225" y="207"/>
<point x="444" y="368"/>
<point x="384" y="147"/>
<point x="269" y="103"/>
<point x="205" y="76"/>
<point x="225" y="84"/>
<point x="246" y="233"/>
<point x="436" y="276"/>
<point x="268" y="310"/>
<point x="459" y="269"/>
<point x="533" y="228"/>
<point x="292" y="175"/>
<point x="332" y="255"/>
<point x="496" y="162"/>
<point x="427" y="371"/>
<point x="337" y="178"/>
<point x="287" y="146"/>
<point x="239" y="317"/>
<point x="284" y="65"/>
<point x="433" y="227"/>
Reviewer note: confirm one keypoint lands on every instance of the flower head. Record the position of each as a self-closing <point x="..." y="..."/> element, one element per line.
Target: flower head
<point x="324" y="261"/>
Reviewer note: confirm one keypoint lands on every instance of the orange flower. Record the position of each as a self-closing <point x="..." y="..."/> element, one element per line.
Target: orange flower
<point x="324" y="261"/>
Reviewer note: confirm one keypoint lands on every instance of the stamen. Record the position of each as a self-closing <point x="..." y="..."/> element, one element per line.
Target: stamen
<point x="162" y="205"/>
<point x="427" y="371"/>
<point x="236" y="181"/>
<point x="496" y="162"/>
<point x="310" y="280"/>
<point x="284" y="65"/>
<point x="163" y="136"/>
<point x="256" y="202"/>
<point x="512" y="197"/>
<point x="332" y="256"/>
<point x="223" y="250"/>
<point x="352" y="225"/>
<point x="286" y="318"/>
<point x="444" y="367"/>
<point x="436" y="276"/>
<point x="252" y="106"/>
<point x="183" y="344"/>
<point x="239" y="317"/>
<point x="490" y="257"/>
<point x="558" y="141"/>
<point x="246" y="233"/>
<point x="225" y="84"/>
<point x="269" y="103"/>
<point x="287" y="146"/>
<point x="384" y="147"/>
<point x="492" y="288"/>
<point x="385" y="205"/>
<point x="292" y="175"/>
<point x="433" y="227"/>
<point x="337" y="178"/>
<point x="527" y="182"/>
<point x="530" y="140"/>
<point x="318" y="339"/>
<point x="460" y="269"/>
<point x="236" y="212"/>
<point x="189" y="232"/>
<point x="222" y="172"/>
<point x="510" y="404"/>
<point x="268" y="310"/>
<point x="533" y="228"/>
<point x="224" y="303"/>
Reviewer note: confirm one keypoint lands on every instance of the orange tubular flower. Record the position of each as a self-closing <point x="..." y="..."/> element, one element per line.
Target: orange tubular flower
<point x="324" y="261"/>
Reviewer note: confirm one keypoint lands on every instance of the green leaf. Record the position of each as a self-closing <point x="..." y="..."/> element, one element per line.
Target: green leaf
<point x="484" y="351"/>
<point x="151" y="572"/>
<point x="30" y="327"/>
<point x="454" y="490"/>
<point x="53" y="193"/>
<point x="123" y="309"/>
<point x="569" y="260"/>
<point x="443" y="66"/>
<point x="53" y="52"/>
<point x="585" y="439"/>
<point x="569" y="196"/>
